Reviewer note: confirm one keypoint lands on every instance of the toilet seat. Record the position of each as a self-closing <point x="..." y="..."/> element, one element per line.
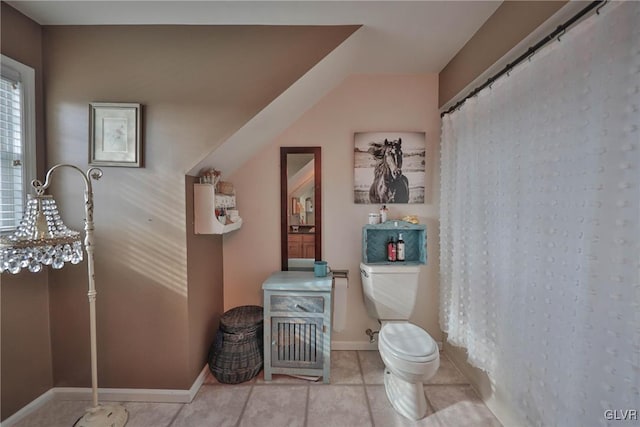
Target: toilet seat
<point x="408" y="342"/>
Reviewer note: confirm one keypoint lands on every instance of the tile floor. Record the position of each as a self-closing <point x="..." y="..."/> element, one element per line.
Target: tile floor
<point x="355" y="397"/>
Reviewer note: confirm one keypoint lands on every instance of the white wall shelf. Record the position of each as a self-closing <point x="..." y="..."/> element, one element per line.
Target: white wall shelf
<point x="204" y="205"/>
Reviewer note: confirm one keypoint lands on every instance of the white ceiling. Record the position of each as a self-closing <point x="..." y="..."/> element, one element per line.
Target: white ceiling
<point x="396" y="37"/>
<point x="413" y="36"/>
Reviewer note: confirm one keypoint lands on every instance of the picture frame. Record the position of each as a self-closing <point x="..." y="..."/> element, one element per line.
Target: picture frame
<point x="389" y="167"/>
<point x="115" y="134"/>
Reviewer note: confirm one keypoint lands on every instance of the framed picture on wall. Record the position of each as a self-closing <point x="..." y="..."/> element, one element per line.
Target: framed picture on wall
<point x="389" y="167"/>
<point x="115" y="134"/>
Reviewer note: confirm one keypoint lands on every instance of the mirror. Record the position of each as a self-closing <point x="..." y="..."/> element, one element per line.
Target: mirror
<point x="300" y="207"/>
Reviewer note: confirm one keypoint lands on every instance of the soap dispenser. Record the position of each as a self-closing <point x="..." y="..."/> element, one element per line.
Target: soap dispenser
<point x="400" y="255"/>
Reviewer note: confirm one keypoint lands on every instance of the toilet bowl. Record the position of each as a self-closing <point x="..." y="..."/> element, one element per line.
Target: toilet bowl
<point x="410" y="357"/>
<point x="409" y="353"/>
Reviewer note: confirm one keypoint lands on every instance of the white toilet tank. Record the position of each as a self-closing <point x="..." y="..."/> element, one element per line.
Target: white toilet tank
<point x="389" y="290"/>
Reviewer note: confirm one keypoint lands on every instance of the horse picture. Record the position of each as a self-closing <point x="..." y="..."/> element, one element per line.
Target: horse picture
<point x="389" y="167"/>
<point x="389" y="184"/>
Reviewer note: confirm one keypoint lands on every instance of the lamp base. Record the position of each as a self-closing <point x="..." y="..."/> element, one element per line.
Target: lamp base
<point x="104" y="416"/>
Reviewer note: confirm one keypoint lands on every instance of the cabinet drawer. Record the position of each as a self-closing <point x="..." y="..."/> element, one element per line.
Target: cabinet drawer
<point x="297" y="304"/>
<point x="308" y="238"/>
<point x="297" y="238"/>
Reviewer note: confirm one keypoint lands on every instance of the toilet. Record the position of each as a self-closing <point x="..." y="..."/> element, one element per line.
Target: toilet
<point x="409" y="353"/>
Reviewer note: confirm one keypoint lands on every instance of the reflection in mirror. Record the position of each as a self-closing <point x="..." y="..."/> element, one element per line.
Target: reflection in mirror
<point x="300" y="201"/>
<point x="300" y="193"/>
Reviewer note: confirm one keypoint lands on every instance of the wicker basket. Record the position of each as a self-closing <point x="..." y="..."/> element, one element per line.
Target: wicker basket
<point x="236" y="355"/>
<point x="225" y="187"/>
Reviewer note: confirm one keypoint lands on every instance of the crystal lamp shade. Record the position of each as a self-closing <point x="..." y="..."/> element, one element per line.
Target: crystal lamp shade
<point x="41" y="239"/>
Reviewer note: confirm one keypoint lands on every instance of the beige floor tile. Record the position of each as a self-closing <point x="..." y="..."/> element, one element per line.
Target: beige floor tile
<point x="142" y="414"/>
<point x="385" y="416"/>
<point x="288" y="401"/>
<point x="282" y="379"/>
<point x="344" y="368"/>
<point x="338" y="406"/>
<point x="210" y="379"/>
<point x="276" y="406"/>
<point x="214" y="406"/>
<point x="460" y="406"/>
<point x="56" y="414"/>
<point x="372" y="367"/>
<point x="447" y="373"/>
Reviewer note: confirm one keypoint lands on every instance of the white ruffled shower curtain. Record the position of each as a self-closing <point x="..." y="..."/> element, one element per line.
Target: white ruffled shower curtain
<point x="539" y="238"/>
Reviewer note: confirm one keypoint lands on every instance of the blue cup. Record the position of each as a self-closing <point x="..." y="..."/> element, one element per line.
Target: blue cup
<point x="320" y="268"/>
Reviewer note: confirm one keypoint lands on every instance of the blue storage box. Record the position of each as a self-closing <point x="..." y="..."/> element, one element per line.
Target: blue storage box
<point x="376" y="236"/>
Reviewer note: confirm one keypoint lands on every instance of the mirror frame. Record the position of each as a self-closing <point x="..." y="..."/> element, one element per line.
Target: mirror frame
<point x="284" y="196"/>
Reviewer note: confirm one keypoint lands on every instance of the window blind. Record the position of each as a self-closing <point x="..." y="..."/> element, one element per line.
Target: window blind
<point x="11" y="152"/>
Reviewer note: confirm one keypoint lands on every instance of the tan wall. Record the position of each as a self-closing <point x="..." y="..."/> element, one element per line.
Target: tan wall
<point x="360" y="103"/>
<point x="24" y="305"/>
<point x="25" y="344"/>
<point x="508" y="25"/>
<point x="198" y="84"/>
<point x="204" y="272"/>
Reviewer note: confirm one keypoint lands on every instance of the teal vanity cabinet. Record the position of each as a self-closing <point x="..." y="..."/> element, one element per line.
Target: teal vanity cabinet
<point x="297" y="324"/>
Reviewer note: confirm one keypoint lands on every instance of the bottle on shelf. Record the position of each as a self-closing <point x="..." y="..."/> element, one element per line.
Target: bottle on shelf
<point x="391" y="250"/>
<point x="221" y="215"/>
<point x="383" y="213"/>
<point x="400" y="255"/>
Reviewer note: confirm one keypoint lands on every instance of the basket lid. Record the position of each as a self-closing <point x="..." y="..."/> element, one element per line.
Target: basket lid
<point x="243" y="317"/>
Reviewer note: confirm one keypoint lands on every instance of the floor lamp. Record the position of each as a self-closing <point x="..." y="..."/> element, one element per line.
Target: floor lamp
<point x="43" y="239"/>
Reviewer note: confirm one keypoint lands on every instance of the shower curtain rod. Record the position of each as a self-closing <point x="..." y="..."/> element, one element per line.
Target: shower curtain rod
<point x="558" y="32"/>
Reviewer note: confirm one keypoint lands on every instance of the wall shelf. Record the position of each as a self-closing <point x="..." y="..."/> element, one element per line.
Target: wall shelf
<point x="204" y="205"/>
<point x="376" y="236"/>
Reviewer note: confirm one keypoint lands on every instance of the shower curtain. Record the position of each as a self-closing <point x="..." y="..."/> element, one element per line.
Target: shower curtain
<point x="539" y="238"/>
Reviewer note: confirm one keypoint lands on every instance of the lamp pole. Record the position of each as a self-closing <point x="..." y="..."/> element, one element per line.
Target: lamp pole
<point x="106" y="415"/>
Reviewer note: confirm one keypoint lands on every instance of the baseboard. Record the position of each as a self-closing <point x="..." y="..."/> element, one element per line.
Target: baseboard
<point x="353" y="345"/>
<point x="198" y="382"/>
<point x="123" y="394"/>
<point x="110" y="395"/>
<point x="133" y="394"/>
<point x="362" y="345"/>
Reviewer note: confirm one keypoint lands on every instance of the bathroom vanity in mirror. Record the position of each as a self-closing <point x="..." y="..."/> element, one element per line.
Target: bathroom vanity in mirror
<point x="301" y="245"/>
<point x="297" y="324"/>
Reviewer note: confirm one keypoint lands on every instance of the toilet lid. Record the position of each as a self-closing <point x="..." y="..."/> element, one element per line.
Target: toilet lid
<point x="408" y="340"/>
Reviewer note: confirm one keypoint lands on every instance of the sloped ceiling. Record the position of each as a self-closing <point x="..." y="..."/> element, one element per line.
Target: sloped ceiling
<point x="395" y="37"/>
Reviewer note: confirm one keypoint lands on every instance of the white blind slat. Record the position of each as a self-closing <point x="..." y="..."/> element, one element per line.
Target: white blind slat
<point x="11" y="143"/>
